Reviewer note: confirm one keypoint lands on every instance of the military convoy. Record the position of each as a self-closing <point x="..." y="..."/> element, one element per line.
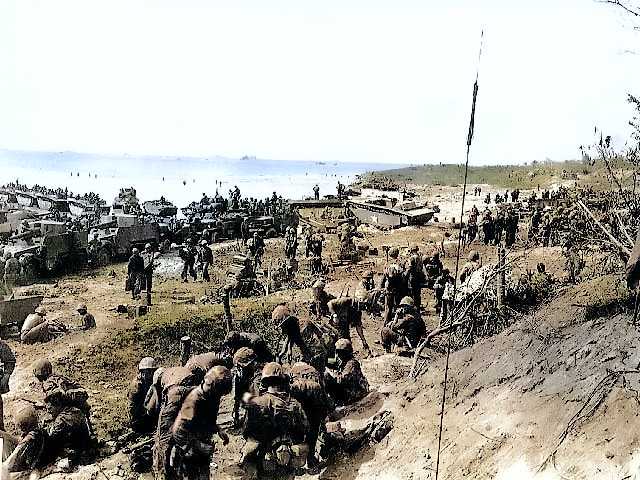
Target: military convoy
<point x="114" y="240"/>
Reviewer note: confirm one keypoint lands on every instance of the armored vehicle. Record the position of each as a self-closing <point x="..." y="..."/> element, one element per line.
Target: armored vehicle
<point x="114" y="240"/>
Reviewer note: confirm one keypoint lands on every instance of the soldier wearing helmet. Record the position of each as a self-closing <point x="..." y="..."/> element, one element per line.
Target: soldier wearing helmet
<point x="7" y="365"/>
<point x="291" y="243"/>
<point x="246" y="378"/>
<point x="319" y="306"/>
<point x="344" y="381"/>
<point x="135" y="274"/>
<point x="276" y="425"/>
<point x="305" y="335"/>
<point x="306" y="386"/>
<point x="28" y="454"/>
<point x="205" y="258"/>
<point x="70" y="430"/>
<point x="346" y="312"/>
<point x="394" y="285"/>
<point x="415" y="276"/>
<point x="148" y="260"/>
<point x="406" y="329"/>
<point x="196" y="423"/>
<point x="140" y="420"/>
<point x="236" y="340"/>
<point x="87" y="320"/>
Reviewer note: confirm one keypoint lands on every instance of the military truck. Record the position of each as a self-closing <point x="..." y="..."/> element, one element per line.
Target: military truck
<point x="114" y="240"/>
<point x="44" y="249"/>
<point x="272" y="226"/>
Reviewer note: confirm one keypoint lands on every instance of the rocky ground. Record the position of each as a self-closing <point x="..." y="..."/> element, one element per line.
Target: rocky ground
<point x="555" y="395"/>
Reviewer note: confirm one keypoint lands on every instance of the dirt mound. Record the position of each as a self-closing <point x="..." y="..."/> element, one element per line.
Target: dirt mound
<point x="523" y="403"/>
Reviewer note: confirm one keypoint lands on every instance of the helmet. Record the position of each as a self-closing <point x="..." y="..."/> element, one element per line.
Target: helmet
<point x="273" y="371"/>
<point x="135" y="250"/>
<point x="231" y="338"/>
<point x="344" y="345"/>
<point x="81" y="306"/>
<point x="280" y="313"/>
<point x="42" y="368"/>
<point x="394" y="252"/>
<point x="147" y="246"/>
<point x="407" y="301"/>
<point x="244" y="356"/>
<point x="147" y="362"/>
<point x="41" y="311"/>
<point x="27" y="418"/>
<point x="218" y="375"/>
<point x="204" y="243"/>
<point x="474" y="255"/>
<point x="157" y="374"/>
<point x="319" y="284"/>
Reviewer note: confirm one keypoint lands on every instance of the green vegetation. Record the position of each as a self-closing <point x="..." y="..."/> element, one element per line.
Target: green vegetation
<point x="587" y="173"/>
<point x="158" y="335"/>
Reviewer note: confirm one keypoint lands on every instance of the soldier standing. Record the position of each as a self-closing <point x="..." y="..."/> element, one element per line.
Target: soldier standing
<point x="316" y="192"/>
<point x="140" y="420"/>
<point x="188" y="255"/>
<point x="148" y="258"/>
<point x="135" y="271"/>
<point x="206" y="259"/>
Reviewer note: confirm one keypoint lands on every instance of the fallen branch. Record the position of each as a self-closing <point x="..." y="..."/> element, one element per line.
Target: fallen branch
<point x="614" y="240"/>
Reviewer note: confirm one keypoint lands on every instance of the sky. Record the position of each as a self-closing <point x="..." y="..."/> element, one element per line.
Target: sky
<point x="386" y="81"/>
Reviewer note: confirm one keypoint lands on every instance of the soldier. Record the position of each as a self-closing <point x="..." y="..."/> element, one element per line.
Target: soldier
<point x="433" y="268"/>
<point x="343" y="379"/>
<point x="291" y="243"/>
<point x="70" y="430"/>
<point x="471" y="266"/>
<point x="188" y="255"/>
<point x="346" y="312"/>
<point x="316" y="192"/>
<point x="170" y="387"/>
<point x="316" y="253"/>
<point x="200" y="364"/>
<point x="87" y="320"/>
<point x="236" y="340"/>
<point x="439" y="288"/>
<point x="206" y="259"/>
<point x="320" y="304"/>
<point x="245" y="371"/>
<point x="7" y="365"/>
<point x="28" y="454"/>
<point x="140" y="419"/>
<point x="415" y="276"/>
<point x="303" y="334"/>
<point x="488" y="228"/>
<point x="11" y="270"/>
<point x="256" y="248"/>
<point x="148" y="258"/>
<point x="35" y="328"/>
<point x="394" y="287"/>
<point x="407" y="327"/>
<point x="135" y="272"/>
<point x="306" y="388"/>
<point x="368" y="282"/>
<point x="275" y="427"/>
<point x="197" y="422"/>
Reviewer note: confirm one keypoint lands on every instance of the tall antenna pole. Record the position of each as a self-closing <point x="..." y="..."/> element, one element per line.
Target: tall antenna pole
<point x="464" y="194"/>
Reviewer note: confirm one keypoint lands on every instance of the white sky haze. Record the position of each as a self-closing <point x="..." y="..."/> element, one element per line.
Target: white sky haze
<point x="378" y="81"/>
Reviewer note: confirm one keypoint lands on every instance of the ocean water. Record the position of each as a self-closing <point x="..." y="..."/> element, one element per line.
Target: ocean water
<point x="180" y="180"/>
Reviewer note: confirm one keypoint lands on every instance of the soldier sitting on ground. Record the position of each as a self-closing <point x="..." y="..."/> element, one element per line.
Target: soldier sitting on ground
<point x="37" y="329"/>
<point x="70" y="429"/>
<point x="344" y="381"/>
<point x="406" y="329"/>
<point x="87" y="321"/>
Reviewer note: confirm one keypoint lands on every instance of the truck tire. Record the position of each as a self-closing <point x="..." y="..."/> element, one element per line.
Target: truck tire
<point x="103" y="257"/>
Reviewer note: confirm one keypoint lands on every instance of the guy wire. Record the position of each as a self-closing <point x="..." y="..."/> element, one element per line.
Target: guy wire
<point x="464" y="194"/>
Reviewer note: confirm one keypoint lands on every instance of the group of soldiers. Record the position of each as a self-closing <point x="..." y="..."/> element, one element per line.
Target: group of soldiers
<point x="280" y="401"/>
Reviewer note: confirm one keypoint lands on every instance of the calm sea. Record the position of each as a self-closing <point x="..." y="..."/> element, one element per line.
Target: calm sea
<point x="180" y="180"/>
